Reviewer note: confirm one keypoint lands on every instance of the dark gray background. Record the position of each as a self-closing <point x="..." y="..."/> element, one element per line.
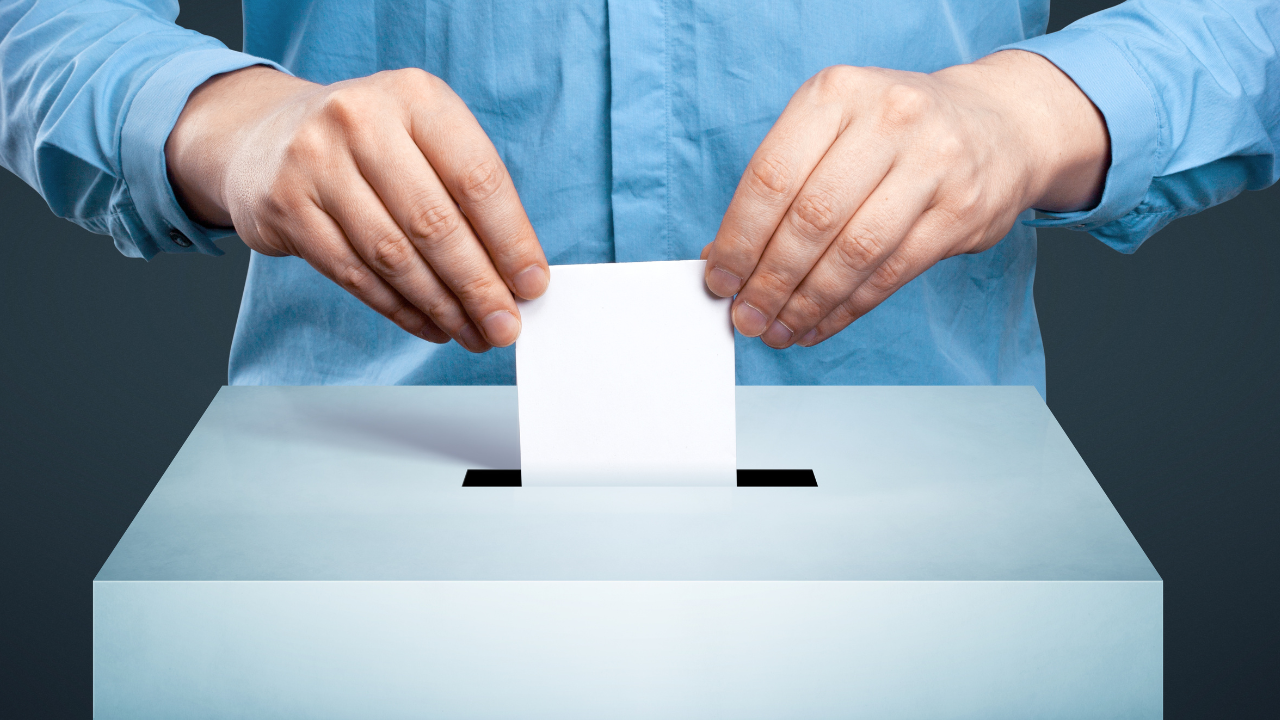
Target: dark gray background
<point x="1161" y="368"/>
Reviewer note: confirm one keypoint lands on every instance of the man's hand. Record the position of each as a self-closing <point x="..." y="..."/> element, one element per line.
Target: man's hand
<point x="871" y="176"/>
<point x="386" y="184"/>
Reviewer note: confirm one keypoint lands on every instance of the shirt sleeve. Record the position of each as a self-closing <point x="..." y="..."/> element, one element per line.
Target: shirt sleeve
<point x="89" y="92"/>
<point x="1190" y="90"/>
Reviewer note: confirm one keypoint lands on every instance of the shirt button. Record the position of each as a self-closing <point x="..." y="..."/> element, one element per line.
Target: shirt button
<point x="178" y="238"/>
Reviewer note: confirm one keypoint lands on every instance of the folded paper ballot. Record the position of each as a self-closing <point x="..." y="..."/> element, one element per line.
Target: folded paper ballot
<point x="625" y="375"/>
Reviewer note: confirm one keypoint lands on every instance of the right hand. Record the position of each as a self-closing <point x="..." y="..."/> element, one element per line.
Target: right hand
<point x="385" y="184"/>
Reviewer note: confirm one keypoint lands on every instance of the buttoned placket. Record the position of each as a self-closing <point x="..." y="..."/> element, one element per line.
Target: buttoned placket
<point x="639" y="111"/>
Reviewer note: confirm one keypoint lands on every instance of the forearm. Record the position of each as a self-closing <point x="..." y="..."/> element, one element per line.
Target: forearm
<point x="90" y="90"/>
<point x="1193" y="109"/>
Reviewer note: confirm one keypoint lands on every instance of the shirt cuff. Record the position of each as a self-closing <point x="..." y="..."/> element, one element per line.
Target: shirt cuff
<point x="161" y="221"/>
<point x="1127" y="102"/>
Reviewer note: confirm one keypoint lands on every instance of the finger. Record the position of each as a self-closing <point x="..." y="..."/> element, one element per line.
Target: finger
<point x="919" y="251"/>
<point x="468" y="164"/>
<point x="417" y="200"/>
<point x="847" y="174"/>
<point x="871" y="237"/>
<point x="433" y="333"/>
<point x="776" y="172"/>
<point x="388" y="251"/>
<point x="327" y="249"/>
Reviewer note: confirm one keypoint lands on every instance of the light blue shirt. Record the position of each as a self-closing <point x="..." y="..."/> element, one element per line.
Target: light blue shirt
<point x="626" y="125"/>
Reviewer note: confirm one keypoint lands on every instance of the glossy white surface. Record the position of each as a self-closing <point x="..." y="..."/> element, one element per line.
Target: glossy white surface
<point x="349" y="483"/>
<point x="312" y="553"/>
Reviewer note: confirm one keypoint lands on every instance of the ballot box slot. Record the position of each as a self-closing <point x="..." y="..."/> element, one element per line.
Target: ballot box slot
<point x="776" y="478"/>
<point x="491" y="478"/>
<point x="746" y="478"/>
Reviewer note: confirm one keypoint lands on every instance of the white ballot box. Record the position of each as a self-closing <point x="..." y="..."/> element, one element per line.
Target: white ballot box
<point x="312" y="553"/>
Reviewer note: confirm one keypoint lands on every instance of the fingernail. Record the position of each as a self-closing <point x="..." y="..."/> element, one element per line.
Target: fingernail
<point x="809" y="338"/>
<point x="723" y="283"/>
<point x="472" y="339"/>
<point x="777" y="336"/>
<point x="501" y="328"/>
<point x="435" y="335"/>
<point x="748" y="320"/>
<point x="530" y="282"/>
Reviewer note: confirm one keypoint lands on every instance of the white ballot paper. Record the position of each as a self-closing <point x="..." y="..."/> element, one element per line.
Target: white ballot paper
<point x="625" y="375"/>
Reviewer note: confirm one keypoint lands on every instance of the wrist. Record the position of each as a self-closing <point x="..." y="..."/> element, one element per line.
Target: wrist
<point x="1058" y="138"/>
<point x="213" y="129"/>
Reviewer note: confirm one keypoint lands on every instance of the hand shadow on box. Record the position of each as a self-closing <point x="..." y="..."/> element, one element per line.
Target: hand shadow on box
<point x="476" y="441"/>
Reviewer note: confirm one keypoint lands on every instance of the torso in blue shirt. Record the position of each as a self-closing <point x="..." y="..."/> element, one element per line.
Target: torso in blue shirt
<point x="626" y="126"/>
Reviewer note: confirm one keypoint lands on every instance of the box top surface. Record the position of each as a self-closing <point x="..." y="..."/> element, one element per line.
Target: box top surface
<point x="365" y="483"/>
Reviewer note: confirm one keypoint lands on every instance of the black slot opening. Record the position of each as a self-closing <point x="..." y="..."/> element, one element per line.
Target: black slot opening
<point x="776" y="478"/>
<point x="746" y="478"/>
<point x="492" y="478"/>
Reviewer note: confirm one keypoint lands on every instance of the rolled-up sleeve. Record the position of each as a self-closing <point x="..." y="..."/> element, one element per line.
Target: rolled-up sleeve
<point x="89" y="92"/>
<point x="1190" y="91"/>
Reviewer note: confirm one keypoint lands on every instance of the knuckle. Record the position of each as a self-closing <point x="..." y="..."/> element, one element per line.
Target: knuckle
<point x="836" y="81"/>
<point x="476" y="288"/>
<point x="406" y="76"/>
<point x="514" y="247"/>
<point x="886" y="278"/>
<point x="840" y="318"/>
<point x="415" y="81"/>
<point x="356" y="278"/>
<point x="769" y="177"/>
<point x="858" y="250"/>
<point x="307" y="147"/>
<point x="975" y="202"/>
<point x="815" y="214"/>
<point x="905" y="105"/>
<point x="481" y="182"/>
<point x="408" y="318"/>
<point x="445" y="312"/>
<point x="949" y="148"/>
<point x="434" y="222"/>
<point x="391" y="255"/>
<point x="804" y="309"/>
<point x="770" y="284"/>
<point x="854" y="307"/>
<point x="348" y="107"/>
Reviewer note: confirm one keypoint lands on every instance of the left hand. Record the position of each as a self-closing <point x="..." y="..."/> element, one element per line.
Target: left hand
<point x="871" y="176"/>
